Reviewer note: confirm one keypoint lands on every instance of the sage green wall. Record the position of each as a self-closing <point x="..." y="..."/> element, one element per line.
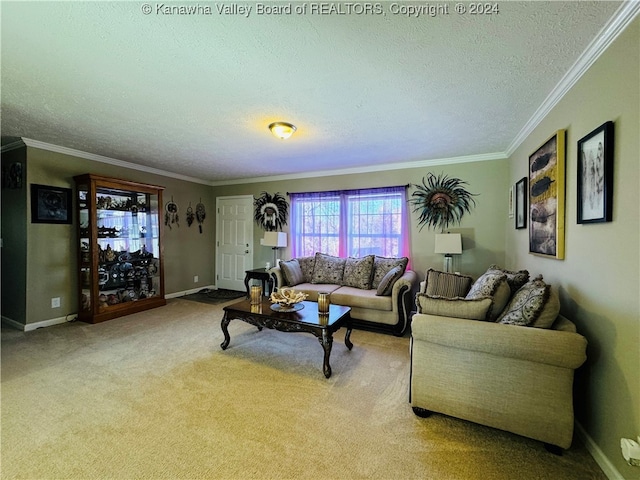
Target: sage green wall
<point x="598" y="281"/>
<point x="51" y="254"/>
<point x="483" y="230"/>
<point x="14" y="242"/>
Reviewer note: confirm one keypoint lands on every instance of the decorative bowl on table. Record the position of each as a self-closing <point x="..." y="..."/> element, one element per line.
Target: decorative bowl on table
<point x="287" y="300"/>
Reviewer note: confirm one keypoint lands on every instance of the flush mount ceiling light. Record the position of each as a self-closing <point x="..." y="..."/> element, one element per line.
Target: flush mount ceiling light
<point x="282" y="130"/>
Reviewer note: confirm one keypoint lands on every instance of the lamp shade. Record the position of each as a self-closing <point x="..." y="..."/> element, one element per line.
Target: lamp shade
<point x="448" y="243"/>
<point x="275" y="239"/>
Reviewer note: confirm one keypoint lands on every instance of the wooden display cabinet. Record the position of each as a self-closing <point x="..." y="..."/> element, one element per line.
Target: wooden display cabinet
<point x="120" y="267"/>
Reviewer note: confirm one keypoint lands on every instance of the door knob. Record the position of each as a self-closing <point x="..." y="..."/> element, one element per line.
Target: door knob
<point x="246" y="251"/>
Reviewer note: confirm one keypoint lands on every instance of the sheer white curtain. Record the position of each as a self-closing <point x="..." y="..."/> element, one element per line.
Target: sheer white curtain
<point x="350" y="222"/>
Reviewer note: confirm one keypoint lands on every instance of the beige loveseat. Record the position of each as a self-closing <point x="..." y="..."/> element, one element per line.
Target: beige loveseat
<point x="501" y="372"/>
<point x="380" y="291"/>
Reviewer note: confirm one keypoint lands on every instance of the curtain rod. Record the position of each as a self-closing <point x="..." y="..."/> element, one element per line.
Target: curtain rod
<point x="353" y="189"/>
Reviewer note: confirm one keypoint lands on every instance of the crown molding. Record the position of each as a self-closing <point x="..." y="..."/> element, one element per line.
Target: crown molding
<point x="620" y="20"/>
<point x="12" y="146"/>
<point x="320" y="173"/>
<point x="111" y="161"/>
<point x="370" y="169"/>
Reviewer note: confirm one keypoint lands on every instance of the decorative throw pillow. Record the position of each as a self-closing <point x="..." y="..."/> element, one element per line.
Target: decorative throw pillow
<point x="550" y="311"/>
<point x="514" y="279"/>
<point x="449" y="285"/>
<point x="307" y="265"/>
<point x="328" y="269"/>
<point x="358" y="271"/>
<point x="527" y="304"/>
<point x="470" y="309"/>
<point x="493" y="285"/>
<point x="292" y="272"/>
<point x="382" y="265"/>
<point x="388" y="281"/>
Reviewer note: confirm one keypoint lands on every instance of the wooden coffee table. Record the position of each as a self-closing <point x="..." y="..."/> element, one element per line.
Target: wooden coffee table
<point x="305" y="320"/>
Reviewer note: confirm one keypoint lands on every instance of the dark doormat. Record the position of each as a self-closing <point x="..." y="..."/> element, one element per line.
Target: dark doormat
<point x="208" y="295"/>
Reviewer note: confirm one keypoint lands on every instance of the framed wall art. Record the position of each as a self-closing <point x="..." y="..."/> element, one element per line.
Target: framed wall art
<point x="521" y="203"/>
<point x="50" y="204"/>
<point x="546" y="198"/>
<point x="511" y="200"/>
<point x="595" y="175"/>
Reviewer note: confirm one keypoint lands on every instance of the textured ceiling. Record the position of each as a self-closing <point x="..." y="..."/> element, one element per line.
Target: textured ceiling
<point x="193" y="94"/>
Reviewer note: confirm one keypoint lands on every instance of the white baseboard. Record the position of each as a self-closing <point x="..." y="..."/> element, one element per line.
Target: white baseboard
<point x="44" y="323"/>
<point x="72" y="316"/>
<point x="598" y="455"/>
<point x="189" y="292"/>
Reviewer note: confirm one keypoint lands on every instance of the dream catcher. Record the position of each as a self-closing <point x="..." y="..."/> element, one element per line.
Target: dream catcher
<point x="271" y="211"/>
<point x="200" y="214"/>
<point x="190" y="215"/>
<point x="171" y="214"/>
<point x="441" y="201"/>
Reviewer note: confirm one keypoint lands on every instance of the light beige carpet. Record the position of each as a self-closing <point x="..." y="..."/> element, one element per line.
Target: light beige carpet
<point x="152" y="396"/>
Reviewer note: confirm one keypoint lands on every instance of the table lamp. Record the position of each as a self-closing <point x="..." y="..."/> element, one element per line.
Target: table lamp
<point x="449" y="244"/>
<point x="275" y="240"/>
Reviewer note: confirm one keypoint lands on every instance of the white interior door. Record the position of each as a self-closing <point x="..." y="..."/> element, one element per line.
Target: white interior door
<point x="234" y="241"/>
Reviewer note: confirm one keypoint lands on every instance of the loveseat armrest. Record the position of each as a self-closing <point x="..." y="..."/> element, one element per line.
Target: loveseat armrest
<point x="553" y="347"/>
<point x="278" y="278"/>
<point x="402" y="295"/>
<point x="405" y="284"/>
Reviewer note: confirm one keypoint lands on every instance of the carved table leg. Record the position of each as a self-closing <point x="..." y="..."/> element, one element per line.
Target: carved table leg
<point x="347" y="339"/>
<point x="246" y="285"/>
<point x="326" y="341"/>
<point x="227" y="338"/>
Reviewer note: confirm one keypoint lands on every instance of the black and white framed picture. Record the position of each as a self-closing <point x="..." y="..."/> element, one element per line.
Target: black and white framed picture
<point x="595" y="175"/>
<point x="521" y="203"/>
<point x="50" y="204"/>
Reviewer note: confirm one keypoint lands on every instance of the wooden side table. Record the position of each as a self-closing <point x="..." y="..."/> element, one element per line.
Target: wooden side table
<point x="259" y="274"/>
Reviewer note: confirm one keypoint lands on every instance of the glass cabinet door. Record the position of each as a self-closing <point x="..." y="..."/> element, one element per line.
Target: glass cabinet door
<point x="128" y="246"/>
<point x="85" y="252"/>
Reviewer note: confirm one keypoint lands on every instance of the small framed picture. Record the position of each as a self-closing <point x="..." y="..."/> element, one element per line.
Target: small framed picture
<point x="50" y="204"/>
<point x="595" y="175"/>
<point x="511" y="200"/>
<point x="521" y="203"/>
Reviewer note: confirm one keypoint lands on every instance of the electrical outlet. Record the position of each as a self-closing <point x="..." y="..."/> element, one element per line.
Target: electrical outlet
<point x="55" y="302"/>
<point x="195" y="279"/>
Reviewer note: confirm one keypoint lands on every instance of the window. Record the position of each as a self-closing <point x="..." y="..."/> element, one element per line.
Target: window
<point x="350" y="223"/>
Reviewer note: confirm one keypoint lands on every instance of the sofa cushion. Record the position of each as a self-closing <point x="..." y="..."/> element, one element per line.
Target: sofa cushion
<point x="356" y="297"/>
<point x="328" y="269"/>
<point x="307" y="265"/>
<point x="388" y="281"/>
<point x="443" y="284"/>
<point x="292" y="272"/>
<point x="313" y="289"/>
<point x="493" y="285"/>
<point x="358" y="272"/>
<point x="470" y="309"/>
<point x="528" y="304"/>
<point x="515" y="279"/>
<point x="382" y="265"/>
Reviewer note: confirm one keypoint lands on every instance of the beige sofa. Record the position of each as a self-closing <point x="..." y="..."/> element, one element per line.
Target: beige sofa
<point x="373" y="306"/>
<point x="513" y="377"/>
